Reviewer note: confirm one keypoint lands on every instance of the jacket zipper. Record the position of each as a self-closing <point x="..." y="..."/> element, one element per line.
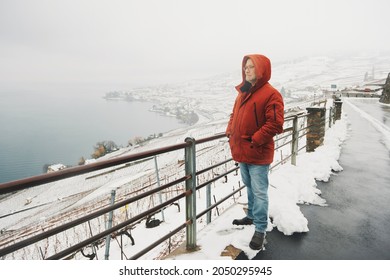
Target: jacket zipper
<point x="255" y="111"/>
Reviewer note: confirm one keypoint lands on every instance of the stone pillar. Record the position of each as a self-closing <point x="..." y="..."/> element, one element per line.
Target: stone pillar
<point x="338" y="105"/>
<point x="385" y="98"/>
<point x="315" y="128"/>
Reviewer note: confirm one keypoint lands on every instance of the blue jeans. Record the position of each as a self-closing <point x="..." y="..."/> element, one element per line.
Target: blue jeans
<point x="255" y="178"/>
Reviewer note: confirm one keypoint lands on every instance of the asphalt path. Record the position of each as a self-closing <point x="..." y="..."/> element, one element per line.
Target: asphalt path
<point x="356" y="223"/>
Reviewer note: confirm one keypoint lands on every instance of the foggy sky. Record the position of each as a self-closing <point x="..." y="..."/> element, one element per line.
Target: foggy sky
<point x="123" y="43"/>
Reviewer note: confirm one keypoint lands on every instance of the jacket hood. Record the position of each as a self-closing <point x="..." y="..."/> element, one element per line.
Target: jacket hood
<point x="263" y="72"/>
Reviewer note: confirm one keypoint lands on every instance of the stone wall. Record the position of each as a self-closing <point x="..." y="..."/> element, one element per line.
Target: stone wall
<point x="315" y="128"/>
<point x="385" y="98"/>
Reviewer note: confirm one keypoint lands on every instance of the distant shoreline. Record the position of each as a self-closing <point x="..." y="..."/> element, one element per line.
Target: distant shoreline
<point x="183" y="114"/>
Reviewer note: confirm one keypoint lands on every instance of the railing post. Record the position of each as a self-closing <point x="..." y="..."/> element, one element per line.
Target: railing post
<point x="158" y="185"/>
<point x="294" y="142"/>
<point x="208" y="202"/>
<point x="190" y="168"/>
<point x="338" y="104"/>
<point x="316" y="128"/>
<point x="109" y="225"/>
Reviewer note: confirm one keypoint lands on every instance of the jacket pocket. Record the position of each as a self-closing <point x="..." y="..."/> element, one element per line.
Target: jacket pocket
<point x="251" y="152"/>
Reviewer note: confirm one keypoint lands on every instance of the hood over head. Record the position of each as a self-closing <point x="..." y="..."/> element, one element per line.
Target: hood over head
<point x="262" y="69"/>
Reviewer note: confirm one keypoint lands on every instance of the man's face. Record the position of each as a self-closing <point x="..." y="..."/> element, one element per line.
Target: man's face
<point x="250" y="73"/>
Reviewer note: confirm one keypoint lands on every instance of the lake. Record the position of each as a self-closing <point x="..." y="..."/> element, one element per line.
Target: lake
<point x="39" y="128"/>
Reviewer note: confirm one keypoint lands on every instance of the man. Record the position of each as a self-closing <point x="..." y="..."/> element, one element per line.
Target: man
<point x="258" y="115"/>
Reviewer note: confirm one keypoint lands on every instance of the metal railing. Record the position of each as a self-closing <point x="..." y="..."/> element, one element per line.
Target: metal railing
<point x="288" y="143"/>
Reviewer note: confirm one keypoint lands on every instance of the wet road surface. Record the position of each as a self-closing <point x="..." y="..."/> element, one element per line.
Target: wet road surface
<point x="374" y="108"/>
<point x="356" y="223"/>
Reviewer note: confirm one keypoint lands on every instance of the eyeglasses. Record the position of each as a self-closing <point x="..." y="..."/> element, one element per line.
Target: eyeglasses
<point x="249" y="67"/>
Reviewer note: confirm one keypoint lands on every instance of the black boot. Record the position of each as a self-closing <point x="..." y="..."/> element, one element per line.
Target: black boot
<point x="243" y="222"/>
<point x="257" y="241"/>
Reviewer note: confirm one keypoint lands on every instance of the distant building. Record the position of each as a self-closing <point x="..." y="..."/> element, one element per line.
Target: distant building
<point x="55" y="167"/>
<point x="88" y="161"/>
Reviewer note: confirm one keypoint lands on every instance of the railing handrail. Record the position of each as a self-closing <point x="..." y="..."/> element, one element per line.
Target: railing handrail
<point x="79" y="170"/>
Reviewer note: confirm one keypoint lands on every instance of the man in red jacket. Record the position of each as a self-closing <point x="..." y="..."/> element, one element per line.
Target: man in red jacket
<point x="258" y="115"/>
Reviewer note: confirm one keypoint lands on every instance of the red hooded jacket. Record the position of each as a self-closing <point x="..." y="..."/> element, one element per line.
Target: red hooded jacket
<point x="258" y="115"/>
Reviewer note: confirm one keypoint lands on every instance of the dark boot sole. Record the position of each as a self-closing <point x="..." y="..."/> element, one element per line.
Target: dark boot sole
<point x="253" y="247"/>
<point x="239" y="223"/>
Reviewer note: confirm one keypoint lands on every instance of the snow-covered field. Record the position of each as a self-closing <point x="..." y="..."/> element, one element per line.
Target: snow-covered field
<point x="33" y="210"/>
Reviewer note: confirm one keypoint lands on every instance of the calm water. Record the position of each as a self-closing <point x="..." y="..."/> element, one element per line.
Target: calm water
<point x="40" y="128"/>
